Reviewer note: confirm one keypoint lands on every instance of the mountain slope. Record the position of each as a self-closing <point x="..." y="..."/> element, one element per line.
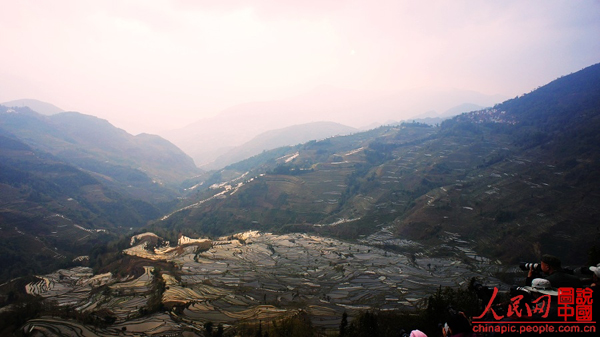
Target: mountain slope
<point x="51" y="212"/>
<point x="288" y="136"/>
<point x="516" y="180"/>
<point x="147" y="164"/>
<point x="313" y="183"/>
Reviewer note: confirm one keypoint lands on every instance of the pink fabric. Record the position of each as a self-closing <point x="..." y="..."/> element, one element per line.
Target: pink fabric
<point x="417" y="333"/>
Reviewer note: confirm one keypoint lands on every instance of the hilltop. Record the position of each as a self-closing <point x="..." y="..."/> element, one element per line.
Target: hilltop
<point x="43" y="108"/>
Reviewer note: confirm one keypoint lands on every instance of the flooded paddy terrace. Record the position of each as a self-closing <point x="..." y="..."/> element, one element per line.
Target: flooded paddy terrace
<point x="263" y="276"/>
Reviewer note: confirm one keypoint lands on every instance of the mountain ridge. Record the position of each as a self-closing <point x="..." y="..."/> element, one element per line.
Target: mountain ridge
<point x="204" y="139"/>
<point x="94" y="144"/>
<point x="43" y="108"/>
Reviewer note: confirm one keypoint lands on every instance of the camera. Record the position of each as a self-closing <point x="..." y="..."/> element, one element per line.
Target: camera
<point x="526" y="293"/>
<point x="525" y="266"/>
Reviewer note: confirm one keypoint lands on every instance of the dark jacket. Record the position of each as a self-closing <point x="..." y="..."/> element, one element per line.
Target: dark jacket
<point x="560" y="279"/>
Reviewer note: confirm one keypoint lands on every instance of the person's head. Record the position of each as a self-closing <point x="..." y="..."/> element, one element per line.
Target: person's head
<point x="550" y="264"/>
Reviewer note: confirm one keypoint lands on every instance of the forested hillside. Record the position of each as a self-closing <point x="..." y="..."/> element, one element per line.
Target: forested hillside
<point x="52" y="212"/>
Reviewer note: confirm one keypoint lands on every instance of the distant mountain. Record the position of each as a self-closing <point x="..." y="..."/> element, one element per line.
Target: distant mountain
<point x="208" y="138"/>
<point x="35" y="105"/>
<point x="292" y="135"/>
<point x="142" y="166"/>
<point x="514" y="181"/>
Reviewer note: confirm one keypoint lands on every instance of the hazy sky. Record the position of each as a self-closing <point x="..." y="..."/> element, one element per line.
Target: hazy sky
<point x="147" y="65"/>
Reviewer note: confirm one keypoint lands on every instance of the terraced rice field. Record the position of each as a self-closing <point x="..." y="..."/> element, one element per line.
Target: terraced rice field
<point x="299" y="271"/>
<point x="267" y="277"/>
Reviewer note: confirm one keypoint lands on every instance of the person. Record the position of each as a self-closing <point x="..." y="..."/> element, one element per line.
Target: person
<point x="551" y="266"/>
<point x="595" y="296"/>
<point x="595" y="276"/>
<point x="417" y="333"/>
<point x="541" y="286"/>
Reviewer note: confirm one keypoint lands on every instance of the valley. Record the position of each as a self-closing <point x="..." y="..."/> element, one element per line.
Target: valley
<point x="103" y="233"/>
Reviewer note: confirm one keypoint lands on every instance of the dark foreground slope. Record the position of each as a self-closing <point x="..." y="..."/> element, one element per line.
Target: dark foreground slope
<point x="518" y="180"/>
<point x="51" y="211"/>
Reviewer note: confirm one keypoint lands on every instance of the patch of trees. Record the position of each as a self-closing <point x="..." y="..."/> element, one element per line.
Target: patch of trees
<point x="374" y="323"/>
<point x="354" y="180"/>
<point x="298" y="325"/>
<point x="254" y="192"/>
<point x="494" y="159"/>
<point x="209" y="330"/>
<point x="505" y="216"/>
<point x="155" y="303"/>
<point x="415" y="124"/>
<point x="378" y="152"/>
<point x="461" y="128"/>
<point x="28" y="307"/>
<point x="15" y="263"/>
<point x="392" y="323"/>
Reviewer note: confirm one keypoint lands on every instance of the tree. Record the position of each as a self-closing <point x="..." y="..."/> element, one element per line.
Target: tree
<point x="208" y="327"/>
<point x="365" y="325"/>
<point x="219" y="330"/>
<point x="344" y="325"/>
